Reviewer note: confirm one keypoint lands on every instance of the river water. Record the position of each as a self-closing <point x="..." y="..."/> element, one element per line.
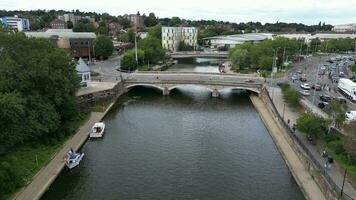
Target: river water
<point x="187" y="145"/>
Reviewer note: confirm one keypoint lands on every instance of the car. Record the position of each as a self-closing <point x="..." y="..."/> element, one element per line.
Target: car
<point x="322" y="104"/>
<point x="294" y="77"/>
<point x="299" y="71"/>
<point x="305" y="92"/>
<point x="342" y="74"/>
<point x="316" y="87"/>
<point x="322" y="68"/>
<point x="249" y="81"/>
<point x="325" y="98"/>
<point x="305" y="86"/>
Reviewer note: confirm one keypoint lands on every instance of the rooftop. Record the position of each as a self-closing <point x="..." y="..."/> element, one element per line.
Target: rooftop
<point x="63" y="33"/>
<point x="243" y="37"/>
<point x="81" y="66"/>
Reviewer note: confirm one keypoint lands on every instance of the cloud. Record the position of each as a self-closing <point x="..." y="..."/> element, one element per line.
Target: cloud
<point x="303" y="11"/>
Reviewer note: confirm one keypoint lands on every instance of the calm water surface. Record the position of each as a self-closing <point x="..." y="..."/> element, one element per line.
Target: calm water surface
<point x="183" y="146"/>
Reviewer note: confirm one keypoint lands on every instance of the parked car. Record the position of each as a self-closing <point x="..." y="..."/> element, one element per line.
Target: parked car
<point x="316" y="87"/>
<point x="299" y="71"/>
<point x="341" y="99"/>
<point x="305" y="86"/>
<point x="305" y="92"/>
<point x="249" y="81"/>
<point x="325" y="98"/>
<point x="322" y="104"/>
<point x="342" y="74"/>
<point x="294" y="77"/>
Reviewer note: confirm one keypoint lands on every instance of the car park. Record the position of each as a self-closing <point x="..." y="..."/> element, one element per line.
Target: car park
<point x="305" y="86"/>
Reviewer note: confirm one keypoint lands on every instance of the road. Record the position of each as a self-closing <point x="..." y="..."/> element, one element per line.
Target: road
<point x="310" y="67"/>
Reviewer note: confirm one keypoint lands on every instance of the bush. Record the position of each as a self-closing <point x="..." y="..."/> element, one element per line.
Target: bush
<point x="290" y="95"/>
<point x="337" y="147"/>
<point x="9" y="179"/>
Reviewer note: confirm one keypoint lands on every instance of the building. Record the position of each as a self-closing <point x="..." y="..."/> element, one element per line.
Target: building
<point x="345" y="28"/>
<point x="16" y="23"/>
<point x="172" y="36"/>
<point x="136" y="20"/>
<point x="69" y="17"/>
<point x="230" y="41"/>
<point x="114" y="28"/>
<point x="78" y="44"/>
<point x="83" y="72"/>
<point x="321" y="36"/>
<point x="58" y="24"/>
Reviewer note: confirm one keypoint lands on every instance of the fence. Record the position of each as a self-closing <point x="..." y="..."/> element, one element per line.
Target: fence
<point x="328" y="182"/>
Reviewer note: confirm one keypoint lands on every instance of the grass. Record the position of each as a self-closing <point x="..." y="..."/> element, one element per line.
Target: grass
<point x="100" y="107"/>
<point x="28" y="159"/>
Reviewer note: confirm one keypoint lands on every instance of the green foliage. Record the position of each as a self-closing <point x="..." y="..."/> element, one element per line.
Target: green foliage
<point x="152" y="48"/>
<point x="37" y="99"/>
<point x="150" y="20"/>
<point x="83" y="26"/>
<point x="131" y="36"/>
<point x="9" y="179"/>
<point x="156" y="32"/>
<point x="291" y="96"/>
<point x="312" y="125"/>
<point x="185" y="47"/>
<point x="337" y="112"/>
<point x="260" y="55"/>
<point x="337" y="147"/>
<point x="129" y="60"/>
<point x="103" y="47"/>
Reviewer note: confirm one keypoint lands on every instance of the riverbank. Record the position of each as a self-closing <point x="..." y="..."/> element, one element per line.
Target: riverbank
<point x="44" y="178"/>
<point x="303" y="178"/>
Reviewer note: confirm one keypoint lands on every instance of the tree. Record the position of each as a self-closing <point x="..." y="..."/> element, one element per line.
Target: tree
<point x="291" y="96"/>
<point x="131" y="35"/>
<point x="151" y="20"/>
<point x="129" y="60"/>
<point x="103" y="47"/>
<point x="337" y="112"/>
<point x="156" y="32"/>
<point x="9" y="179"/>
<point x="83" y="26"/>
<point x="37" y="91"/>
<point x="152" y="48"/>
<point x="69" y="24"/>
<point x="239" y="58"/>
<point x="312" y="125"/>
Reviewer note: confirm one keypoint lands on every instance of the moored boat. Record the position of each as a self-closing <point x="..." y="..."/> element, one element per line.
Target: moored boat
<point x="73" y="159"/>
<point x="97" y="130"/>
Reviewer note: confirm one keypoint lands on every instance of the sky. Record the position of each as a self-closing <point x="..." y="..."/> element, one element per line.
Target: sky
<point x="300" y="11"/>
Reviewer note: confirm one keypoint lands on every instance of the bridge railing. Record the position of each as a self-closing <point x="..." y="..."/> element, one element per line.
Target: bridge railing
<point x="255" y="75"/>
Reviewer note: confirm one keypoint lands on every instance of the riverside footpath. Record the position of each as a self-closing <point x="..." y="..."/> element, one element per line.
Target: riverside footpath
<point x="45" y="177"/>
<point x="303" y="178"/>
<point x="336" y="173"/>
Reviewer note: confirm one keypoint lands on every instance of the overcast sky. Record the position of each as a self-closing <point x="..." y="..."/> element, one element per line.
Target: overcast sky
<point x="304" y="11"/>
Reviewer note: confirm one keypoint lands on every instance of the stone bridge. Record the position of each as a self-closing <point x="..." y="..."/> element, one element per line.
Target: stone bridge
<point x="200" y="54"/>
<point x="213" y="82"/>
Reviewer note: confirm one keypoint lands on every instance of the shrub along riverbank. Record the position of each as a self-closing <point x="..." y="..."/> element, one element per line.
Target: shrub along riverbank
<point x="38" y="108"/>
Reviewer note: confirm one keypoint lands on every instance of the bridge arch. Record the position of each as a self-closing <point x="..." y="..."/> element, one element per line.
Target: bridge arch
<point x="145" y="85"/>
<point x="255" y="90"/>
<point x="203" y="86"/>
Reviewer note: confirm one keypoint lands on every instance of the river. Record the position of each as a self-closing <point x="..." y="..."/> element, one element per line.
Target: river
<point x="187" y="145"/>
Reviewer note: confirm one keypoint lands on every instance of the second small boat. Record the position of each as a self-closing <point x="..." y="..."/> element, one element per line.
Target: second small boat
<point x="97" y="130"/>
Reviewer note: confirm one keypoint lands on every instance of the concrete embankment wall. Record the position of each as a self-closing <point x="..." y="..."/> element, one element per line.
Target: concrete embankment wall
<point x="304" y="179"/>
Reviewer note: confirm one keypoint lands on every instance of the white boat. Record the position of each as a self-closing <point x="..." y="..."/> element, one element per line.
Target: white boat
<point x="97" y="130"/>
<point x="73" y="159"/>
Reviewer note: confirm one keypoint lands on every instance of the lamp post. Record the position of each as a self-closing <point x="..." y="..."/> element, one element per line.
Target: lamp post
<point x="343" y="183"/>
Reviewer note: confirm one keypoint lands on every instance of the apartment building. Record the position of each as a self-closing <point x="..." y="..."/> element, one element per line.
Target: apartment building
<point x="172" y="36"/>
<point x="16" y="23"/>
<point x="58" y="24"/>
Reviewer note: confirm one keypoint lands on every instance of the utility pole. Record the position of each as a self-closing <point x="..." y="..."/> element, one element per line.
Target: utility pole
<point x="136" y="57"/>
<point x="343" y="183"/>
<point x="316" y="79"/>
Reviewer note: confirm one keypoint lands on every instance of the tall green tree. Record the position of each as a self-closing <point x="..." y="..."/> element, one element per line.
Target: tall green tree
<point x="103" y="47"/>
<point x="312" y="125"/>
<point x="152" y="48"/>
<point x="129" y="60"/>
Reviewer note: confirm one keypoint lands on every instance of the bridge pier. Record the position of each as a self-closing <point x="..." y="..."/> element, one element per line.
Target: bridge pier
<point x="165" y="91"/>
<point x="215" y="93"/>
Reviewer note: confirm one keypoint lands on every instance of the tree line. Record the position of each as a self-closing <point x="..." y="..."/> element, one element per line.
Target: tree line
<point x="38" y="83"/>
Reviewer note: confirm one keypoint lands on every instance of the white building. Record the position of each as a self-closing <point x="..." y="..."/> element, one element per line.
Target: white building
<point x="321" y="36"/>
<point x="172" y="36"/>
<point x="230" y="41"/>
<point x="345" y="28"/>
<point x="16" y="23"/>
<point x="83" y="72"/>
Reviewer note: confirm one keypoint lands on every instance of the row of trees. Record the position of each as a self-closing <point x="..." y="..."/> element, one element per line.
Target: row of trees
<point x="261" y="55"/>
<point x="38" y="83"/>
